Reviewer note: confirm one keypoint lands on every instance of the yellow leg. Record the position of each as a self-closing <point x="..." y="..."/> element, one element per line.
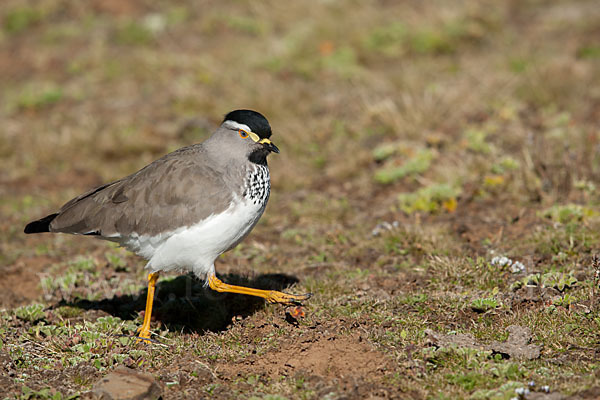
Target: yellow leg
<point x="144" y="332"/>
<point x="272" y="296"/>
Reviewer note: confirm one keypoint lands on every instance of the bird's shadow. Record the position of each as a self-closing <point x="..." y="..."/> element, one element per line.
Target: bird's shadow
<point x="184" y="303"/>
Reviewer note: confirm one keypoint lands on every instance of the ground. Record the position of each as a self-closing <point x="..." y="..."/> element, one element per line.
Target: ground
<point x="421" y="142"/>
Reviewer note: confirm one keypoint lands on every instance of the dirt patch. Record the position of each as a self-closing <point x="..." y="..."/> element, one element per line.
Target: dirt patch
<point x="20" y="283"/>
<point x="532" y="295"/>
<point x="326" y="355"/>
<point x="545" y="396"/>
<point x="42" y="183"/>
<point x="508" y="129"/>
<point x="396" y="283"/>
<point x="591" y="393"/>
<point x="474" y="222"/>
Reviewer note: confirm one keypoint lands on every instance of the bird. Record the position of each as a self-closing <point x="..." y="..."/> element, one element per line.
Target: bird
<point x="182" y="211"/>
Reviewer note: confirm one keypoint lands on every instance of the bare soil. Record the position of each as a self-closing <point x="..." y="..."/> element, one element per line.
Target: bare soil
<point x="500" y="99"/>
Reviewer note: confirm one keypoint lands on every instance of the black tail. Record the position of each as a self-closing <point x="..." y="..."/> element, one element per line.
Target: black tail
<point x="41" y="225"/>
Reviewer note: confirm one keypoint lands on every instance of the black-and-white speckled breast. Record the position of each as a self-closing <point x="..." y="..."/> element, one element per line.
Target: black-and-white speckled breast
<point x="257" y="185"/>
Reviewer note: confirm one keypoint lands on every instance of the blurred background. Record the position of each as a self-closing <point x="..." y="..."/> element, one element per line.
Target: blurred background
<point x="407" y="130"/>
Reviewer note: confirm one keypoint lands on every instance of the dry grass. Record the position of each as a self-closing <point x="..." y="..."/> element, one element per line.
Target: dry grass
<point x="474" y="125"/>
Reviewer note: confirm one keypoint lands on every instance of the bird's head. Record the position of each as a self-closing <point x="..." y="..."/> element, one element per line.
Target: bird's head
<point x="248" y="132"/>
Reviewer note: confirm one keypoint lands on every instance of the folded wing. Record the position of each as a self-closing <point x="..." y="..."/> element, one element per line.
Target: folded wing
<point x="163" y="196"/>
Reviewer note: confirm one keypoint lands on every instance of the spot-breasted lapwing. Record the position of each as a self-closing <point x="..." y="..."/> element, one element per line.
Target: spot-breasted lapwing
<point x="185" y="209"/>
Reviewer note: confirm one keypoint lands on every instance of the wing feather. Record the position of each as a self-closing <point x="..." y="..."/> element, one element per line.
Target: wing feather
<point x="176" y="190"/>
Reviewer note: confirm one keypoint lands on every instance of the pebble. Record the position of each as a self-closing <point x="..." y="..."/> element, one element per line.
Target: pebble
<point x="127" y="384"/>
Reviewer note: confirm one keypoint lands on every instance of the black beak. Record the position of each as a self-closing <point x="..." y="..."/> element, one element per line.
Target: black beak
<point x="271" y="147"/>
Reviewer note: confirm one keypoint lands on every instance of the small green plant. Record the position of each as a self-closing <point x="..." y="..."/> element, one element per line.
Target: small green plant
<point x="558" y="280"/>
<point x="245" y="24"/>
<point x="133" y="34"/>
<point x="115" y="261"/>
<point x="565" y="301"/>
<point x="44" y="394"/>
<point x="388" y="39"/>
<point x="108" y="323"/>
<point x="20" y="19"/>
<point x="485" y="304"/>
<point x="518" y="64"/>
<point x="413" y="166"/>
<point x="385" y="151"/>
<point x="585" y="186"/>
<point x="80" y="274"/>
<point x="431" y="41"/>
<point x="413" y="299"/>
<point x="504" y="392"/>
<point x="31" y="313"/>
<point x="589" y="52"/>
<point x="42" y="330"/>
<point x="529" y="280"/>
<point x="476" y="141"/>
<point x="429" y="199"/>
<point x="343" y="61"/>
<point x="68" y="311"/>
<point x="83" y="264"/>
<point x="506" y="164"/>
<point x="568" y="213"/>
<point x="39" y="97"/>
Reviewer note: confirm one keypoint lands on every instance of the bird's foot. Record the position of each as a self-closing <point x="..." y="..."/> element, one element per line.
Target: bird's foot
<point x="143" y="334"/>
<point x="285" y="298"/>
<point x="272" y="296"/>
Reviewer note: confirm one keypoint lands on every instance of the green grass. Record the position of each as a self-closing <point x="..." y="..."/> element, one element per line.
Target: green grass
<point x="18" y="20"/>
<point x="413" y="166"/>
<point x="462" y="132"/>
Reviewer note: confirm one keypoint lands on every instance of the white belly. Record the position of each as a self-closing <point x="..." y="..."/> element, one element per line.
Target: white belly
<point x="196" y="247"/>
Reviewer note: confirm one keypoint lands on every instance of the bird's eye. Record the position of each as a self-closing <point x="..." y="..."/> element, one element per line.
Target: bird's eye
<point x="243" y="133"/>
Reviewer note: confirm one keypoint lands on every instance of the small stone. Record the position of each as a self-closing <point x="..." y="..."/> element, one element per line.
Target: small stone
<point x="127" y="384"/>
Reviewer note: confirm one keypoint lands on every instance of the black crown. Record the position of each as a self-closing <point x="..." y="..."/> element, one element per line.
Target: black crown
<point x="255" y="120"/>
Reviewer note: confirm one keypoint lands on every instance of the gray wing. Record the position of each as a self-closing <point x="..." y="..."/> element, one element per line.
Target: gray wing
<point x="176" y="190"/>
